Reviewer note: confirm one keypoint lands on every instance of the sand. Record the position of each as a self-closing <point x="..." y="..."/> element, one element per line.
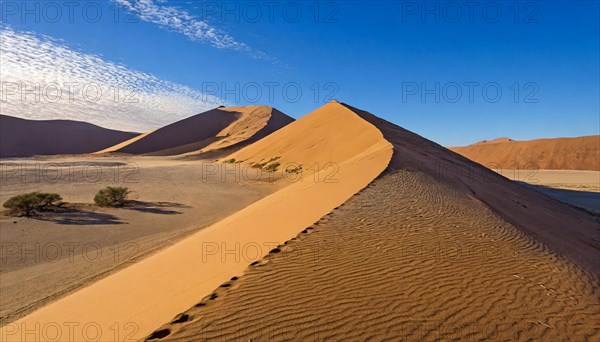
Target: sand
<point x="571" y="232"/>
<point x="223" y="128"/>
<point x="405" y="259"/>
<point x="560" y="179"/>
<point x="437" y="248"/>
<point x="493" y="141"/>
<point x="581" y="153"/>
<point x="22" y="138"/>
<point x="119" y="146"/>
<point x="47" y="258"/>
<point x="139" y="298"/>
<point x="575" y="187"/>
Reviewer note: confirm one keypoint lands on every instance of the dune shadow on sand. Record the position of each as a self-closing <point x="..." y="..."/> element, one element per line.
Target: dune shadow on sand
<point x="163" y="208"/>
<point x="71" y="216"/>
<point x="587" y="200"/>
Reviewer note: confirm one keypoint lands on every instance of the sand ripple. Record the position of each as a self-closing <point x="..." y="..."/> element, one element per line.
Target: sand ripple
<point x="406" y="258"/>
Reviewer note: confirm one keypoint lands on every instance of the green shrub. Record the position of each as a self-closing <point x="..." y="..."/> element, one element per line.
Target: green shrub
<point x="272" y="167"/>
<point x="229" y="161"/>
<point x="30" y="203"/>
<point x="294" y="170"/>
<point x="112" y="197"/>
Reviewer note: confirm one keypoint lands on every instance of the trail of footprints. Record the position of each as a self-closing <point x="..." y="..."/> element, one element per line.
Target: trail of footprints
<point x="406" y="258"/>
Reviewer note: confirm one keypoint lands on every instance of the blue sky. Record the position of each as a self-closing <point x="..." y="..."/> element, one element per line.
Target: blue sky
<point x="434" y="68"/>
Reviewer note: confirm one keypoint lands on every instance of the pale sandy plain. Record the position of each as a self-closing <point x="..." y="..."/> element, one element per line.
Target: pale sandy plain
<point x="417" y="253"/>
<point x="567" y="169"/>
<point x="580" y="188"/>
<point x="46" y="258"/>
<point x="134" y="297"/>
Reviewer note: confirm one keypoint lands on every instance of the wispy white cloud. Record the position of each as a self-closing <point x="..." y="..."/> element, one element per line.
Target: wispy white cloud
<point x="35" y="70"/>
<point x="181" y="21"/>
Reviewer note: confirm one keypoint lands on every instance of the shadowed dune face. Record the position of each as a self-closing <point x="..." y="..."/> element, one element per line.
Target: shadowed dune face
<point x="195" y="129"/>
<point x="567" y="230"/>
<point x="24" y="138"/>
<point x="437" y="247"/>
<point x="256" y="122"/>
<point x="588" y="200"/>
<point x="159" y="287"/>
<point x="405" y="259"/>
<point x="216" y="129"/>
<point x="581" y="153"/>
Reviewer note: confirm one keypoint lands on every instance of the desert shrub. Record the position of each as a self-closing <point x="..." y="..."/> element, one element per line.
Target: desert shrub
<point x="294" y="170"/>
<point x="272" y="167"/>
<point x="112" y="197"/>
<point x="47" y="200"/>
<point x="229" y="161"/>
<point x="30" y="203"/>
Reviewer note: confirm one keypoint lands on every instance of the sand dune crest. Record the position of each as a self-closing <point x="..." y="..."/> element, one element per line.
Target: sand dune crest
<point x="156" y="289"/>
<point x="217" y="129"/>
<point x="581" y="153"/>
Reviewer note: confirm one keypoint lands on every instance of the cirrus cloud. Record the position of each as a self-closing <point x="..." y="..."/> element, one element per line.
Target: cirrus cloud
<point x="42" y="78"/>
<point x="181" y="21"/>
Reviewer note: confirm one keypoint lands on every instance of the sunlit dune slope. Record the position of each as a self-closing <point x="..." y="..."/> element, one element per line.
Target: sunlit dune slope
<point x="581" y="153"/>
<point x="438" y="247"/>
<point x="154" y="290"/>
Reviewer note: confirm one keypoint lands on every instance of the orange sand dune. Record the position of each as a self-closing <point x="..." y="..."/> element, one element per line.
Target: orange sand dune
<point x="121" y="145"/>
<point x="218" y="129"/>
<point x="438" y="247"/>
<point x="582" y="153"/>
<point x="23" y="138"/>
<point x="149" y="293"/>
<point x="493" y="141"/>
<point x="404" y="260"/>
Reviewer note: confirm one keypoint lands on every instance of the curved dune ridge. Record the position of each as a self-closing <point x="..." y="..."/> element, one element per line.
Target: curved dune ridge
<point x="151" y="292"/>
<point x="219" y="129"/>
<point x="581" y="153"/>
<point x="438" y="247"/>
<point x="405" y="259"/>
<point x="493" y="141"/>
<point x="24" y="138"/>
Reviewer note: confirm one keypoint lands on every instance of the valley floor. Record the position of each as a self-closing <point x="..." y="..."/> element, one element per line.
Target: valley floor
<point x="45" y="258"/>
<point x="575" y="187"/>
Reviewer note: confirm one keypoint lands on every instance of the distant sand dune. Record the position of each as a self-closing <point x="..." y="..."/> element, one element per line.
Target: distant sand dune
<point x="437" y="247"/>
<point x="24" y="138"/>
<point x="581" y="153"/>
<point x="152" y="291"/>
<point x="216" y="129"/>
